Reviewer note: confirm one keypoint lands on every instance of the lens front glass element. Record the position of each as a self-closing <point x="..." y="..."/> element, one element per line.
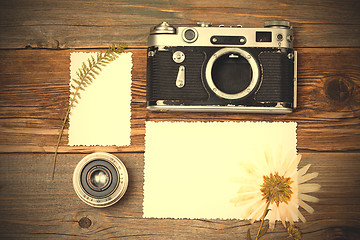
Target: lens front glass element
<point x="231" y="73"/>
<point x="98" y="178"/>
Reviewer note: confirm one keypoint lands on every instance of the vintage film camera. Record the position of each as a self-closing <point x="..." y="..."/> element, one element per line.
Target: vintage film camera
<point x="229" y="69"/>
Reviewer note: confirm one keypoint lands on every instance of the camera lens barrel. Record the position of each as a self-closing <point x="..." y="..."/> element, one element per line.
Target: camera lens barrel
<point x="100" y="179"/>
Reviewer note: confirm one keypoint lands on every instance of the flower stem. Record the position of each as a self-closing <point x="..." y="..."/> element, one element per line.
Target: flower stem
<point x="262" y="219"/>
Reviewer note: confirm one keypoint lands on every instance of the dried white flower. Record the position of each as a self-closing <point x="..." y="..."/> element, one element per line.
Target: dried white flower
<point x="273" y="178"/>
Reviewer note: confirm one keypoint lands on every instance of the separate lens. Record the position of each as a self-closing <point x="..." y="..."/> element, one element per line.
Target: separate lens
<point x="100" y="179"/>
<point x="231" y="73"/>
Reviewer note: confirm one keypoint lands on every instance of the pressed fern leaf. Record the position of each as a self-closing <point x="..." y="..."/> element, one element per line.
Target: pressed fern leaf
<point x="86" y="74"/>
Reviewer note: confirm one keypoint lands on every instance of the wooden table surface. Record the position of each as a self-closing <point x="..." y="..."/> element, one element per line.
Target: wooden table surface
<point x="36" y="40"/>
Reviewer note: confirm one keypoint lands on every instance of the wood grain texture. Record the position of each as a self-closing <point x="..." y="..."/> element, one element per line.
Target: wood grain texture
<point x="89" y="23"/>
<point x="33" y="206"/>
<point x="34" y="89"/>
<point x="36" y="40"/>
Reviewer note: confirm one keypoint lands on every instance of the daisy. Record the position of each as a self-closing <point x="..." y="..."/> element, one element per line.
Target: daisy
<point x="272" y="181"/>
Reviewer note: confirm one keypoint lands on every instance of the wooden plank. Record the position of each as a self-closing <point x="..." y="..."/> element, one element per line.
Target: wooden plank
<point x="34" y="89"/>
<point x="33" y="206"/>
<point x="84" y="23"/>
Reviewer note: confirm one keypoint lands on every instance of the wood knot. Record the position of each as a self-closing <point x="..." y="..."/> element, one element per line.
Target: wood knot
<point x="338" y="90"/>
<point x="85" y="222"/>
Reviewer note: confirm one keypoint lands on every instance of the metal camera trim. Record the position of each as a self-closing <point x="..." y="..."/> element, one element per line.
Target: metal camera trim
<point x="254" y="67"/>
<point x="114" y="196"/>
<point x="165" y="35"/>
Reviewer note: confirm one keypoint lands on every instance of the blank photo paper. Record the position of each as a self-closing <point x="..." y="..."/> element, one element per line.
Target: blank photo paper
<point x="190" y="167"/>
<point x="102" y="115"/>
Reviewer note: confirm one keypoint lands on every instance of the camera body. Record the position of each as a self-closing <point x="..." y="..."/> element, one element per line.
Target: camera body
<point x="226" y="69"/>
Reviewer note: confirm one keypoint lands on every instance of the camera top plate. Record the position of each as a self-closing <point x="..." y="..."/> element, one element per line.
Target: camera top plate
<point x="276" y="34"/>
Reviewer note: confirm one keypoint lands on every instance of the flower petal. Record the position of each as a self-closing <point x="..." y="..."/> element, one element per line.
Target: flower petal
<point x="306" y="206"/>
<point x="272" y="217"/>
<point x="298" y="213"/>
<point x="247" y="203"/>
<point x="268" y="160"/>
<point x="303" y="170"/>
<point x="293" y="167"/>
<point x="307" y="177"/>
<point x="308" y="198"/>
<point x="244" y="180"/>
<point x="258" y="212"/>
<point x="293" y="210"/>
<point x="282" y="216"/>
<point x="288" y="215"/>
<point x="288" y="160"/>
<point x="307" y="187"/>
<point x="278" y="164"/>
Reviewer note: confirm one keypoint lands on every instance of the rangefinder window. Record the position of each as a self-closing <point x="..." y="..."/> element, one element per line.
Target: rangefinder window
<point x="228" y="40"/>
<point x="263" y="37"/>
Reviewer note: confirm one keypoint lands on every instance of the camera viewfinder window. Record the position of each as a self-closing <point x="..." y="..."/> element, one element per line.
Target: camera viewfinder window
<point x="263" y="37"/>
<point x="190" y="35"/>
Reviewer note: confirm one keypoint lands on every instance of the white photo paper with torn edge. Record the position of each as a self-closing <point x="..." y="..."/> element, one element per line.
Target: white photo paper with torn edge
<point x="189" y="166"/>
<point x="102" y="115"/>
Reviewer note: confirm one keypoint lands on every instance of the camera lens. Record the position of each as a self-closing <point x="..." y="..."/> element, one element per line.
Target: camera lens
<point x="100" y="179"/>
<point x="232" y="73"/>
